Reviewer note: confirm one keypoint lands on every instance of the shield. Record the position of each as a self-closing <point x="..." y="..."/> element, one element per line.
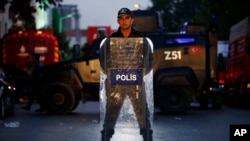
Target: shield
<point x="126" y="88"/>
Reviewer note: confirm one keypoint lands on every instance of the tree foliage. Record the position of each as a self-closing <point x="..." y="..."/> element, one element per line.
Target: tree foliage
<point x="24" y="9"/>
<point x="177" y="12"/>
<point x="2" y="5"/>
<point x="64" y="44"/>
<point x="45" y="4"/>
<point x="219" y="12"/>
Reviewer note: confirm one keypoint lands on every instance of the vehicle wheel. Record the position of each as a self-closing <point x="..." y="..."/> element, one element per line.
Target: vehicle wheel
<point x="171" y="100"/>
<point x="58" y="98"/>
<point x="76" y="104"/>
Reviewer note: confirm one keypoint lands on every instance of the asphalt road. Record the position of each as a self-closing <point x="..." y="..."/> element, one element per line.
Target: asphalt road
<point x="84" y="125"/>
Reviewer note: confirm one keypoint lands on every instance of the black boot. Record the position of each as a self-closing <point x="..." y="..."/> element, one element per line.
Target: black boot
<point x="147" y="134"/>
<point x="107" y="134"/>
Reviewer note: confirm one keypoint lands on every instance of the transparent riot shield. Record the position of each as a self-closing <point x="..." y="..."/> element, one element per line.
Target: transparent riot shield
<point x="126" y="89"/>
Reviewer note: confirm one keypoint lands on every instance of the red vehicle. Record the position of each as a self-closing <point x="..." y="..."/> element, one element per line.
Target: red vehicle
<point x="17" y="51"/>
<point x="17" y="48"/>
<point x="237" y="69"/>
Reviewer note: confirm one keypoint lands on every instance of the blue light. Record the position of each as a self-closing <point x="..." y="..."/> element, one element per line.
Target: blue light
<point x="185" y="24"/>
<point x="184" y="40"/>
<point x="180" y="40"/>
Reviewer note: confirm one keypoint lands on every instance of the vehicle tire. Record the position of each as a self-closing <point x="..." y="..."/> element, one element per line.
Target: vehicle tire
<point x="76" y="104"/>
<point x="57" y="98"/>
<point x="173" y="100"/>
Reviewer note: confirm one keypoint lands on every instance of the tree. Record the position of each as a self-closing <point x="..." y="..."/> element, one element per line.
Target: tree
<point x="177" y="12"/>
<point x="2" y="5"/>
<point x="220" y="13"/>
<point x="24" y="9"/>
<point x="43" y="4"/>
<point x="228" y="13"/>
<point x="64" y="44"/>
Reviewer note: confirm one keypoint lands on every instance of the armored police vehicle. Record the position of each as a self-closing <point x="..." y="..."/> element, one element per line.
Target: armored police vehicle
<point x="184" y="71"/>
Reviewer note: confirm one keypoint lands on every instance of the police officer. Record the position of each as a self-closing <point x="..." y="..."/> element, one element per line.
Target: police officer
<point x="117" y="93"/>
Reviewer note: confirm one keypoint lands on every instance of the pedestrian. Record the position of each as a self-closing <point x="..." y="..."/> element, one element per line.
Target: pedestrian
<point x="36" y="66"/>
<point x="94" y="48"/>
<point x="116" y="94"/>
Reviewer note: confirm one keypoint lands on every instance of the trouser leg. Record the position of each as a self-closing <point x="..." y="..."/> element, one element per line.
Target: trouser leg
<point x="139" y="102"/>
<point x="114" y="103"/>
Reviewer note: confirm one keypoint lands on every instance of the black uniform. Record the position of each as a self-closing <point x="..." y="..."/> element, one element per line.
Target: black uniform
<point x="134" y="33"/>
<point x="117" y="93"/>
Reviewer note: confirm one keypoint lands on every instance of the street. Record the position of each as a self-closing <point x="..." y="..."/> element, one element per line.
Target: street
<point x="83" y="125"/>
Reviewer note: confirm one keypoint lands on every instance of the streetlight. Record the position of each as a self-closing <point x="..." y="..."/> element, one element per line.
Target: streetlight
<point x="61" y="20"/>
<point x="137" y="6"/>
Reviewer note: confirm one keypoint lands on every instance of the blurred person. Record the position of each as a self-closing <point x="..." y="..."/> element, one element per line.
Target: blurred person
<point x="36" y="66"/>
<point x="93" y="49"/>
